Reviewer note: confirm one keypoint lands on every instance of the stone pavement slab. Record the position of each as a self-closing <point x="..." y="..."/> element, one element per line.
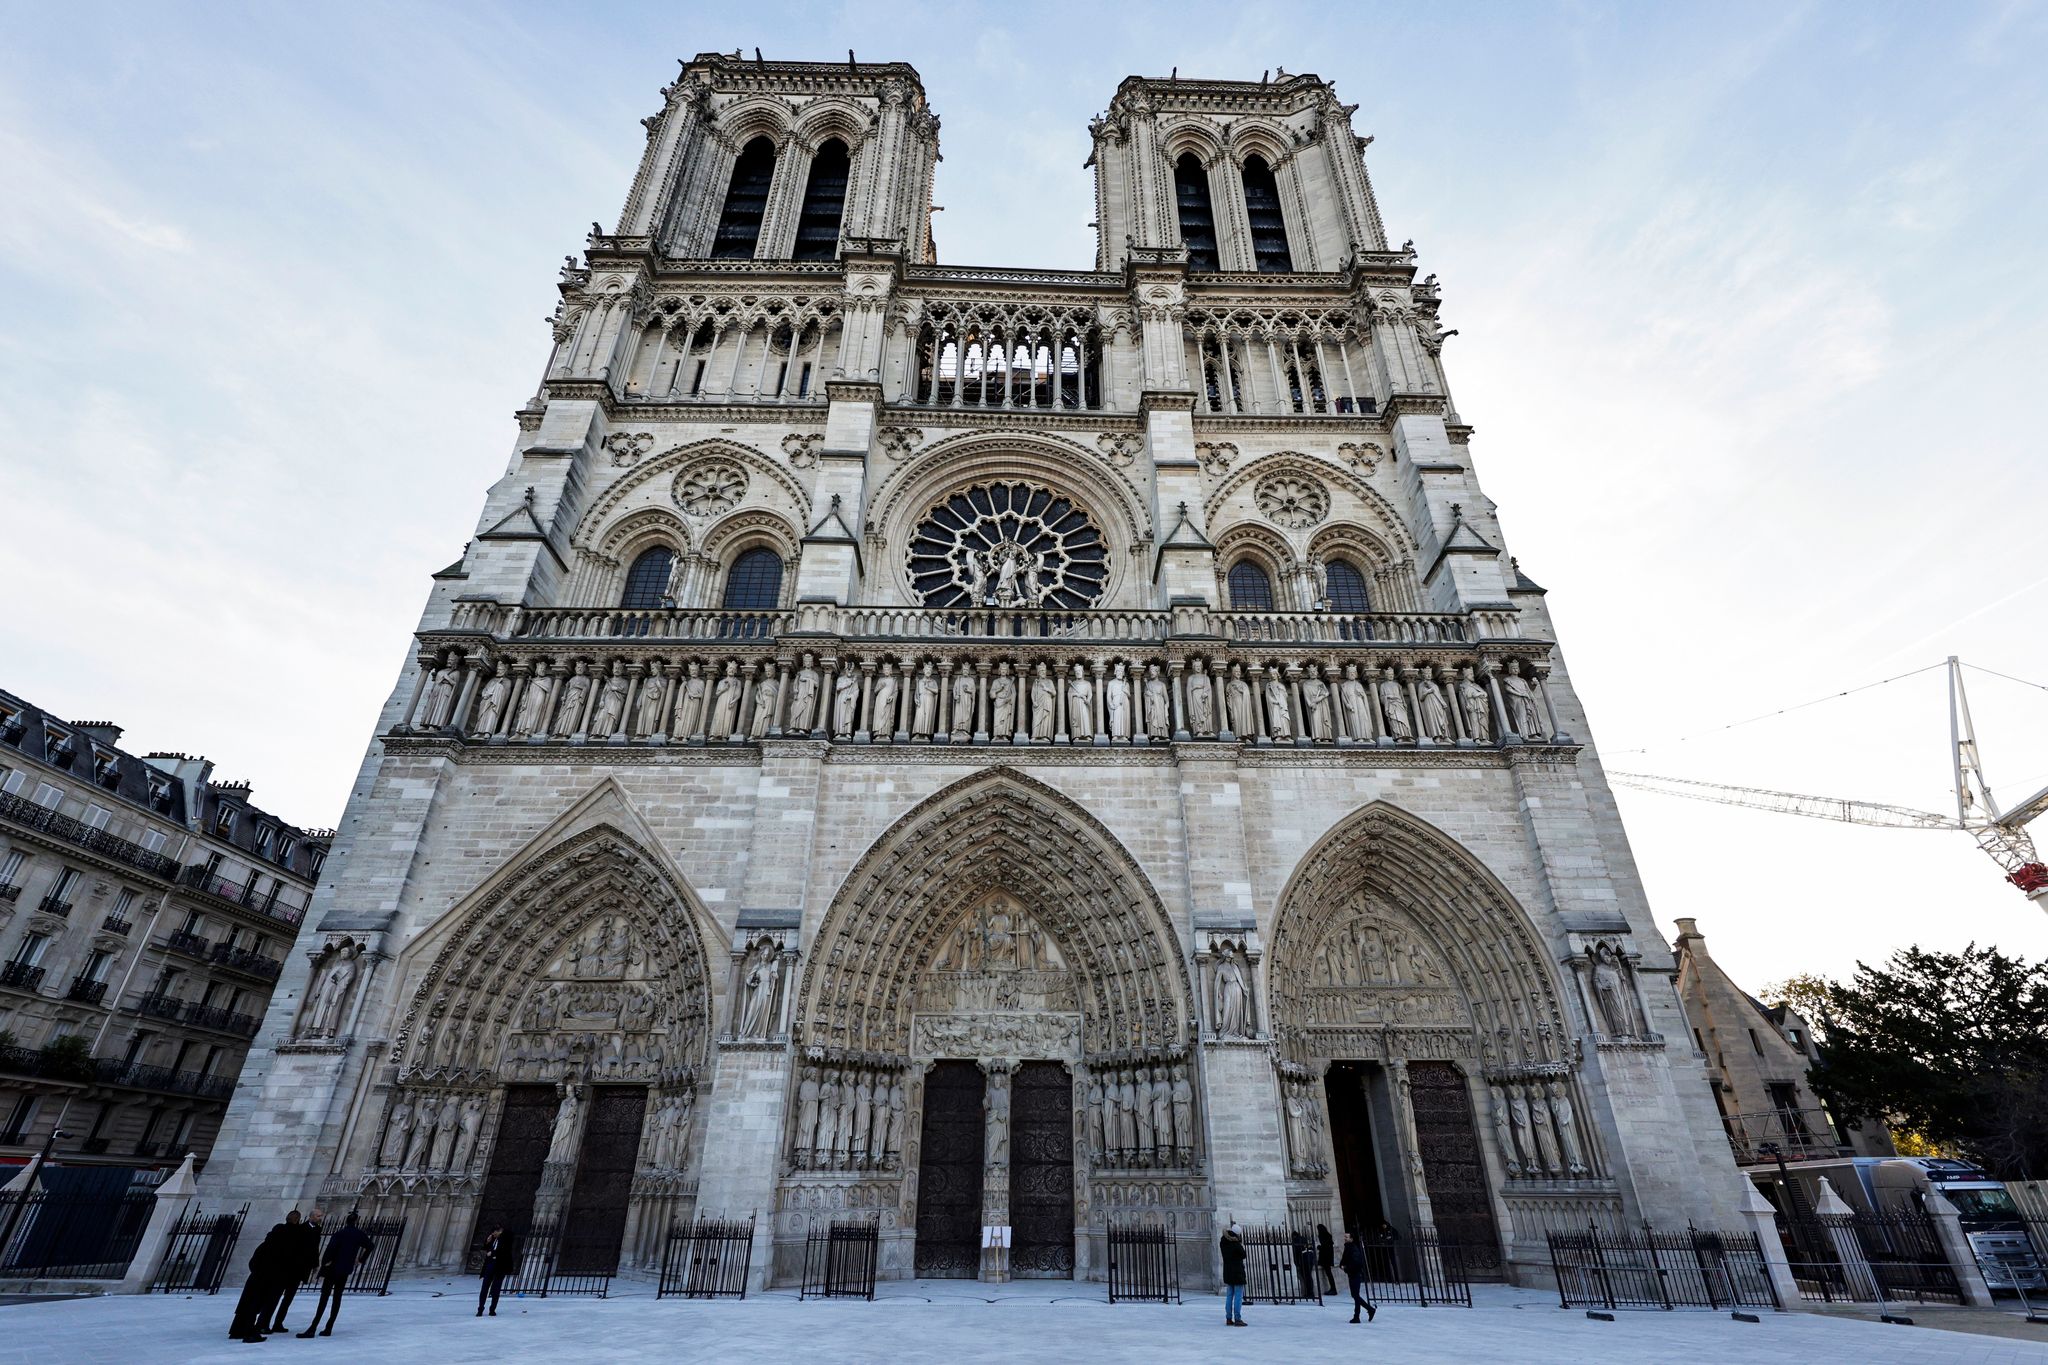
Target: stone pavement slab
<point x="951" y="1321"/>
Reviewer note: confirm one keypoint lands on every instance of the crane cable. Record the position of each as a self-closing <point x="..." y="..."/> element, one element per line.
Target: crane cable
<point x="1788" y="710"/>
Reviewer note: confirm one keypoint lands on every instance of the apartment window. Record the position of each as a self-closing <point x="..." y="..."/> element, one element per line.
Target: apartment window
<point x="123" y="903"/>
<point x="66" y="882"/>
<point x="194" y="922"/>
<point x="316" y="862"/>
<point x="285" y="848"/>
<point x="99" y="1125"/>
<point x="10" y="867"/>
<point x="18" y="1119"/>
<point x="224" y="821"/>
<point x="10" y="780"/>
<point x="96" y="966"/>
<point x="135" y="1048"/>
<point x="167" y="981"/>
<point x="156" y="1118"/>
<point x="97" y="816"/>
<point x="184" y="1133"/>
<point x="266" y="838"/>
<point x="31" y="949"/>
<point x="746" y="201"/>
<point x="154" y="841"/>
<point x="212" y="1059"/>
<point x="48" y="796"/>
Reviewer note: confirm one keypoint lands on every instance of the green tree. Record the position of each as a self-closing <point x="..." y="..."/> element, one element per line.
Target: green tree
<point x="1951" y="1046"/>
<point x="1806" y="993"/>
<point x="68" y="1058"/>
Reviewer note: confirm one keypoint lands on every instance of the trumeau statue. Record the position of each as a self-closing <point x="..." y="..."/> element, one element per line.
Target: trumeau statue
<point x="562" y="1142"/>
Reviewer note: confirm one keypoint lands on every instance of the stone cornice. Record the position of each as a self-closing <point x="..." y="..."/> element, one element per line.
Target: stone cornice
<point x="937" y="417"/>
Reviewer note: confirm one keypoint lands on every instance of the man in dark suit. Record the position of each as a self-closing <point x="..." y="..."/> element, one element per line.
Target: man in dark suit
<point x="304" y="1258"/>
<point x="344" y="1249"/>
<point x="501" y="1258"/>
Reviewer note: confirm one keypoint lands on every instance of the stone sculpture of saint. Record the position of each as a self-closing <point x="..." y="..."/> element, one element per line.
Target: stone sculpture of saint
<point x="1158" y="704"/>
<point x="1201" y="701"/>
<point x="963" y="704"/>
<point x="397" y="1132"/>
<point x="806" y="1116"/>
<point x="1435" y="716"/>
<point x="1394" y="707"/>
<point x="422" y="1136"/>
<point x="882" y="717"/>
<point x="444" y="1134"/>
<point x="761" y="975"/>
<point x="764" y="706"/>
<point x="725" y="703"/>
<point x="690" y="719"/>
<point x="1116" y="700"/>
<point x="1002" y="698"/>
<point x="1141" y="1111"/>
<point x="562" y="1143"/>
<point x="1080" y="705"/>
<point x="1546" y="1136"/>
<point x="828" y="1120"/>
<point x="1044" y="703"/>
<point x="924" y="705"/>
<point x="1278" y="722"/>
<point x="652" y="718"/>
<point x="1567" y="1130"/>
<point x="803" y="697"/>
<point x="575" y="697"/>
<point x="1233" y="995"/>
<point x="611" y="704"/>
<point x="490" y="707"/>
<point x="1162" y="1116"/>
<point x="1315" y="705"/>
<point x="335" y="988"/>
<point x="1518" y="1106"/>
<point x="977" y="578"/>
<point x="533" y="707"/>
<point x="1472" y="701"/>
<point x="1183" y="1111"/>
<point x="1504" y="1132"/>
<point x="863" y="1115"/>
<point x="1237" y="697"/>
<point x="1095" y="1118"/>
<point x="1610" y="992"/>
<point x="1351" y="696"/>
<point x="440" y="699"/>
<point x="845" y="700"/>
<point x="1521" y="701"/>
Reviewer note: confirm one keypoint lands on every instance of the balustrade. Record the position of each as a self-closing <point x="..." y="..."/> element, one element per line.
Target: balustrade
<point x="41" y="818"/>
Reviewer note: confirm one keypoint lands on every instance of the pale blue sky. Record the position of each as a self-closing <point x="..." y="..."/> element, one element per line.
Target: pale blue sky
<point x="1750" y="302"/>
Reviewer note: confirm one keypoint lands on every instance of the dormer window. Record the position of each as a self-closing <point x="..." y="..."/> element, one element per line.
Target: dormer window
<point x="285" y="848"/>
<point x="106" y="768"/>
<point x="159" y="794"/>
<point x="58" y="747"/>
<point x="224" y="821"/>
<point x="11" y="726"/>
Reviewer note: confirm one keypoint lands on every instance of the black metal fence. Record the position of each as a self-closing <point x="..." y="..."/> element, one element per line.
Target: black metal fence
<point x="1868" y="1258"/>
<point x="196" y="1257"/>
<point x="72" y="1236"/>
<point x="372" y="1273"/>
<point x="1651" y="1269"/>
<point x="840" y="1259"/>
<point x="709" y="1259"/>
<point x="1424" y="1270"/>
<point x="1144" y="1262"/>
<point x="1280" y="1265"/>
<point x="540" y="1273"/>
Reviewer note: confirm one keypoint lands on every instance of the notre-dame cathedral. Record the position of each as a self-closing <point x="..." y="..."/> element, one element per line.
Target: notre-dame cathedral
<point x="983" y="747"/>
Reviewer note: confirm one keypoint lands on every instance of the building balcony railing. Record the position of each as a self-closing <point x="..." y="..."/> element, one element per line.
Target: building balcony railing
<point x="116" y="926"/>
<point x="190" y="944"/>
<point x="86" y="991"/>
<point x="43" y="819"/>
<point x="50" y="905"/>
<point x="10" y="893"/>
<point x="140" y="1076"/>
<point x="1791" y="1134"/>
<point x="241" y="895"/>
<point x="160" y="1006"/>
<point x="21" y="976"/>
<point x="223" y="1020"/>
<point x="246" y="961"/>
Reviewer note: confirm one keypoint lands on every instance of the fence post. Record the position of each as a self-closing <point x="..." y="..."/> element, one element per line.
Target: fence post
<point x="1763" y="1221"/>
<point x="1955" y="1245"/>
<point x="172" y="1199"/>
<point x="1837" y="1220"/>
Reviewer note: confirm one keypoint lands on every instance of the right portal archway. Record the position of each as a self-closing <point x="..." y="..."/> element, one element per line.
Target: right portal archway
<point x="1426" y="1064"/>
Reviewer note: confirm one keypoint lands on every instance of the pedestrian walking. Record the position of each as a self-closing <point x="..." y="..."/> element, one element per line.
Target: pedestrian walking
<point x="1326" y="1256"/>
<point x="1231" y="1244"/>
<point x="1354" y="1271"/>
<point x="501" y="1258"/>
<point x="344" y="1249"/>
<point x="267" y="1273"/>
<point x="303" y="1261"/>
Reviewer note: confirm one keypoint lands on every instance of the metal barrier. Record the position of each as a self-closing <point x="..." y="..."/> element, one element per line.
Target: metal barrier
<point x="1280" y="1265"/>
<point x="82" y="1236"/>
<point x="1144" y="1262"/>
<point x="197" y="1255"/>
<point x="709" y="1259"/>
<point x="372" y="1273"/>
<point x="1868" y="1258"/>
<point x="1425" y="1271"/>
<point x="540" y="1272"/>
<point x="840" y="1261"/>
<point x="2013" y="1258"/>
<point x="1651" y="1269"/>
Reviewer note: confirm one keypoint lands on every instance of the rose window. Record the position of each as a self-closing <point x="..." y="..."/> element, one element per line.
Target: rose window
<point x="709" y="488"/>
<point x="1294" y="501"/>
<point x="1007" y="545"/>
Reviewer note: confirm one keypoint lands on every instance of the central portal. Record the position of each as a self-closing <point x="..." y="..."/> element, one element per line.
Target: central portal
<point x="596" y="1223"/>
<point x="1042" y="1172"/>
<point x="949" y="1173"/>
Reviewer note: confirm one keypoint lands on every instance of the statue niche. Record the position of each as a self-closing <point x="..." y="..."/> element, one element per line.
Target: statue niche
<point x="997" y="957"/>
<point x="1370" y="968"/>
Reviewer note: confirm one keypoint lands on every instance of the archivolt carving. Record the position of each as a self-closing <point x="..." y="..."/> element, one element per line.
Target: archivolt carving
<point x="1388" y="926"/>
<point x="652" y="473"/>
<point x="591" y="941"/>
<point x="898" y="914"/>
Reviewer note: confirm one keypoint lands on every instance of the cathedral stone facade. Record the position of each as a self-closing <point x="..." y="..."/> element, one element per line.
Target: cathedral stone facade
<point x="983" y="748"/>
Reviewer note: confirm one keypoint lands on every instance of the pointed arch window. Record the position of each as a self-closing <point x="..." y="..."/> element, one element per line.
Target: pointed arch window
<point x="746" y="201"/>
<point x="647" y="580"/>
<point x="817" y="228"/>
<point x="754" y="583"/>
<point x="1345" y="586"/>
<point x="1262" y="210"/>
<point x="1197" y="216"/>
<point x="1250" y="589"/>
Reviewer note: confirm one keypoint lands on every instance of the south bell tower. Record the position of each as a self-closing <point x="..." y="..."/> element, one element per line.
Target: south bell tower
<point x="982" y="746"/>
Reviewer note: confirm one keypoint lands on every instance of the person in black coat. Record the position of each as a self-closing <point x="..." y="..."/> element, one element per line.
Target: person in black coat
<point x="501" y="1258"/>
<point x="1354" y="1271"/>
<point x="1326" y="1256"/>
<point x="1305" y="1264"/>
<point x="268" y="1270"/>
<point x="304" y="1259"/>
<point x="1231" y="1244"/>
<point x="344" y="1249"/>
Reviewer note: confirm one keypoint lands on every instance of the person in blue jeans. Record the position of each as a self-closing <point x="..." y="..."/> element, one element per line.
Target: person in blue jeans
<point x="1232" y="1246"/>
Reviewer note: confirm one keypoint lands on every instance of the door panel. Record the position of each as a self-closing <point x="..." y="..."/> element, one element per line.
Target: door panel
<point x="1042" y="1172"/>
<point x="1452" y="1168"/>
<point x="596" y="1221"/>
<point x="949" y="1173"/>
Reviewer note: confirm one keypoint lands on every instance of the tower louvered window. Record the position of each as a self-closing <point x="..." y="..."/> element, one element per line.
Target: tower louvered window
<point x="1262" y="209"/>
<point x="1197" y="217"/>
<point x="817" y="229"/>
<point x="746" y="201"/>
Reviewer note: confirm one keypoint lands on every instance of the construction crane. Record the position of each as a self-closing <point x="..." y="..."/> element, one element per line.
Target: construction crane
<point x="1999" y="832"/>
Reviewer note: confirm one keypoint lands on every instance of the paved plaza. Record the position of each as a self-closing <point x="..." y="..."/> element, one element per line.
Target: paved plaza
<point x="951" y="1321"/>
